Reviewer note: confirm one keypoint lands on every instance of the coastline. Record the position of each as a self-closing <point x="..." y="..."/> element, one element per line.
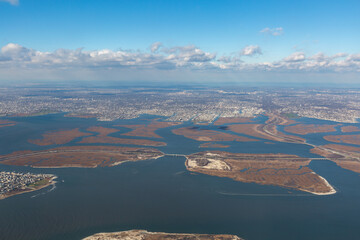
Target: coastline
<point x="331" y="192"/>
<point x="64" y="166"/>
<point x="145" y="235"/>
<point x="121" y="162"/>
<point x="81" y="166"/>
<point x="79" y="156"/>
<point x="27" y="190"/>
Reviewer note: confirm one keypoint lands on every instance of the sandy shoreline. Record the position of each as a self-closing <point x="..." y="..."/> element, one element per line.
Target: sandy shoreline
<point x="332" y="191"/>
<point x="65" y="166"/>
<point x="50" y="182"/>
<point x="145" y="235"/>
<point x="191" y="166"/>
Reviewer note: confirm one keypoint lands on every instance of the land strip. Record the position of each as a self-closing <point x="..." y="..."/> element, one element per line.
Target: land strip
<point x="79" y="156"/>
<point x="147" y="130"/>
<point x="58" y="137"/>
<point x="209" y="135"/>
<point x="7" y="123"/>
<point x="350" y="139"/>
<point x="213" y="145"/>
<point x="227" y="120"/>
<point x="347" y="129"/>
<point x="12" y="183"/>
<point x="145" y="235"/>
<point x="103" y="137"/>
<point x="79" y="115"/>
<point x="304" y="129"/>
<point x="282" y="170"/>
<point x="276" y="118"/>
<point x="345" y="156"/>
<point x="102" y="131"/>
<point x="264" y="131"/>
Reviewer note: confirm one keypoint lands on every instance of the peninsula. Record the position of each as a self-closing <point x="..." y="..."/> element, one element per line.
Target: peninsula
<point x="79" y="156"/>
<point x="145" y="235"/>
<point x="282" y="170"/>
<point x="12" y="183"/>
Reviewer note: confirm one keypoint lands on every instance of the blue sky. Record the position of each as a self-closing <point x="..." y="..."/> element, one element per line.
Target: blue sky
<point x="250" y="35"/>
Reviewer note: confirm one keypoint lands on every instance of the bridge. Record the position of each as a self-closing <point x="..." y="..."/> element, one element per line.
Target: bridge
<point x="175" y="155"/>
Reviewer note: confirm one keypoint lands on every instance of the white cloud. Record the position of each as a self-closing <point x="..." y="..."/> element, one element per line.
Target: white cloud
<point x="16" y="58"/>
<point x="322" y="57"/>
<point x="339" y="55"/>
<point x="295" y="57"/>
<point x="273" y="31"/>
<point x="12" y="2"/>
<point x="190" y="56"/>
<point x="354" y="57"/>
<point x="251" y="50"/>
<point x="16" y="51"/>
<point x="169" y="58"/>
<point x="155" y="46"/>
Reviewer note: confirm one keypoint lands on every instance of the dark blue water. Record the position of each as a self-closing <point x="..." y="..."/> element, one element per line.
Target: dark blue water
<point x="161" y="195"/>
<point x="318" y="138"/>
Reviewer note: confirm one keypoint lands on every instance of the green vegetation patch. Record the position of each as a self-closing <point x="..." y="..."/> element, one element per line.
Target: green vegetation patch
<point x="290" y="115"/>
<point x="39" y="183"/>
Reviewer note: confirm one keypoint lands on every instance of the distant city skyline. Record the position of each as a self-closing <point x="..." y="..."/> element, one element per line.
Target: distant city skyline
<point x="180" y="41"/>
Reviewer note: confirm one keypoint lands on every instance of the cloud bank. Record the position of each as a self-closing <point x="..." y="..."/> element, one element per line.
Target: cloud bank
<point x="15" y="58"/>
